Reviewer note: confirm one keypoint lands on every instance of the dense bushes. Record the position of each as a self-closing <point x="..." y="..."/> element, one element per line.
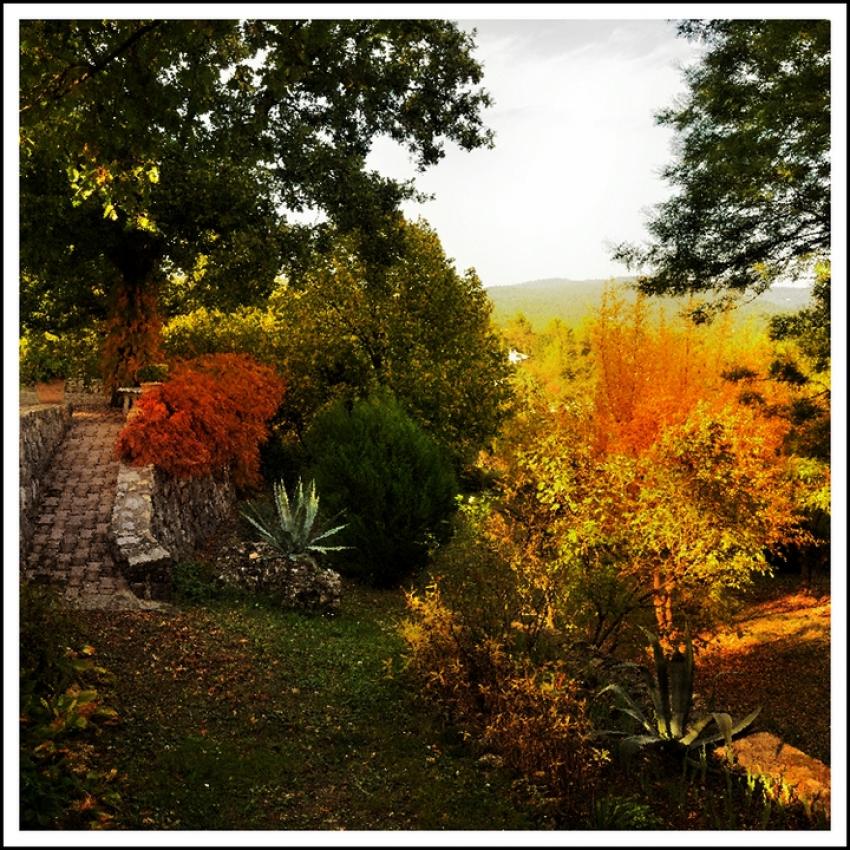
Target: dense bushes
<point x="212" y="413"/>
<point x="394" y="483"/>
<point x="416" y="328"/>
<point x="534" y="716"/>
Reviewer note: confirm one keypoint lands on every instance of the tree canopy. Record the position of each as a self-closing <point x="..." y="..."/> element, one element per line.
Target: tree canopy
<point x="751" y="169"/>
<point x="414" y="326"/>
<point x="148" y="144"/>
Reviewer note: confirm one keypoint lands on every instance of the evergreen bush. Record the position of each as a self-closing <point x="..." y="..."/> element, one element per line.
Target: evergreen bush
<point x="393" y="482"/>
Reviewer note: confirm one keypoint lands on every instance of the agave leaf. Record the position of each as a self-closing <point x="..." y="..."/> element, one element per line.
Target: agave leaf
<point x="638" y="715"/>
<point x="693" y="733"/>
<point x="662" y="675"/>
<point x="742" y="724"/>
<point x="324" y="549"/>
<point x="724" y="724"/>
<point x="284" y="510"/>
<point x="632" y="744"/>
<point x="312" y="508"/>
<point x="631" y="708"/>
<point x="734" y="730"/>
<point x="680" y="693"/>
<point x="266" y="534"/>
<point x="299" y="517"/>
<point x="329" y="532"/>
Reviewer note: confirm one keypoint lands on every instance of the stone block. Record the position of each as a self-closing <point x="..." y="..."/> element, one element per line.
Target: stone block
<point x="784" y="769"/>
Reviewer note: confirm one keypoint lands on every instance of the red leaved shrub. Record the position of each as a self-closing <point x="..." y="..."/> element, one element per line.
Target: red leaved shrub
<point x="211" y="413"/>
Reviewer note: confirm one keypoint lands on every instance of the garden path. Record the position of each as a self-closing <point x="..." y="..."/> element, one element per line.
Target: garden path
<point x="70" y="549"/>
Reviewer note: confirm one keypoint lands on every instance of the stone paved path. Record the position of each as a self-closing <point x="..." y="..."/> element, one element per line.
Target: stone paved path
<point x="70" y="547"/>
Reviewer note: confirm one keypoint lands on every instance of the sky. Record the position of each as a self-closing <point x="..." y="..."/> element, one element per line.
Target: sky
<point x="577" y="157"/>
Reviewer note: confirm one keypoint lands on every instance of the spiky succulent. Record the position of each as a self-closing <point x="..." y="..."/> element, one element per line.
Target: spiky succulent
<point x="671" y="692"/>
<point x="295" y="531"/>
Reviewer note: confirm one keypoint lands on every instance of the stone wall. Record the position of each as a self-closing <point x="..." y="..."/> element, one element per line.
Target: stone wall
<point x="42" y="429"/>
<point x="158" y="520"/>
<point x="77" y="392"/>
<point x="84" y="393"/>
<point x="187" y="511"/>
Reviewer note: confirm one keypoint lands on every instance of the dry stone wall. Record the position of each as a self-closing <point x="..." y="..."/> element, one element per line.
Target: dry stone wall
<point x="157" y="520"/>
<point x="42" y="430"/>
<point x="187" y="511"/>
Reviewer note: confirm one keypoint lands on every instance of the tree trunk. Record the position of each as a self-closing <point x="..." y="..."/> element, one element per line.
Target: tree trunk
<point x="133" y="329"/>
<point x="662" y="602"/>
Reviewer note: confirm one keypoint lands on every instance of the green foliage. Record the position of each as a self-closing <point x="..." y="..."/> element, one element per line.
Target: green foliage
<point x="295" y="531"/>
<point x="615" y="813"/>
<point x="484" y="678"/>
<point x="161" y="147"/>
<point x="155" y="372"/>
<point x="415" y="327"/>
<point x="810" y="327"/>
<point x="193" y="582"/>
<point x="41" y="358"/>
<point x="671" y="691"/>
<point x="59" y="705"/>
<point x="46" y="632"/>
<point x="346" y="327"/>
<point x="393" y="481"/>
<point x="246" y="330"/>
<point x="752" y="168"/>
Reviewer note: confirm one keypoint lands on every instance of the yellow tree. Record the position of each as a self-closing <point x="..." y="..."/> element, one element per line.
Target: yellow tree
<point x="666" y="489"/>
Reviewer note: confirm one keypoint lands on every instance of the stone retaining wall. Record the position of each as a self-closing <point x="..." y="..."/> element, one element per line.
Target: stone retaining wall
<point x="42" y="429"/>
<point x="158" y="520"/>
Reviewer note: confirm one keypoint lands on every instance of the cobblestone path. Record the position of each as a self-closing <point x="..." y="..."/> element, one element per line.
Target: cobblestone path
<point x="70" y="547"/>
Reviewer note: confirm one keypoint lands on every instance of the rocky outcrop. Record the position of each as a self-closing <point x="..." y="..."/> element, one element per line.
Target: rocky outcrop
<point x="42" y="430"/>
<point x="297" y="582"/>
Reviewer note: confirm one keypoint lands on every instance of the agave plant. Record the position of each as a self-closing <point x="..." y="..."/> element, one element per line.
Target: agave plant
<point x="295" y="532"/>
<point x="671" y="692"/>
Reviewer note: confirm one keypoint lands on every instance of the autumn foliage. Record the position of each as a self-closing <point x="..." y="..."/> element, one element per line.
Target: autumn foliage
<point x="660" y="486"/>
<point x="212" y="413"/>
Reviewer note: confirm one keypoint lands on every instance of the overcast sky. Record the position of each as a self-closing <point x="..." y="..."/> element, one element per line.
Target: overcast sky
<point x="577" y="152"/>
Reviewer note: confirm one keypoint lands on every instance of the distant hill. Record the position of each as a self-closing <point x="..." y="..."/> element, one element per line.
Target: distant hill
<point x="572" y="300"/>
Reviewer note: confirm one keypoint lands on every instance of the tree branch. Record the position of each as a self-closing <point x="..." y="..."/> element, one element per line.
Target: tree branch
<point x="91" y="69"/>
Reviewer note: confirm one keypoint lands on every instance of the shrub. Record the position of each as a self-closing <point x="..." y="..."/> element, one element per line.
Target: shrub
<point x="247" y="330"/>
<point x="394" y="483"/>
<point x="211" y="413"/>
<point x="534" y="717"/>
<point x="193" y="582"/>
<point x="42" y="358"/>
<point x="59" y="707"/>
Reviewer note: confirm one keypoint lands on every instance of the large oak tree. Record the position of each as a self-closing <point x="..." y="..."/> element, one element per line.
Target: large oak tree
<point x="146" y="145"/>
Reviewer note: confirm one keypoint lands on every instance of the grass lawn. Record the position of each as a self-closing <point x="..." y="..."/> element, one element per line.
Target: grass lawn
<point x="238" y="716"/>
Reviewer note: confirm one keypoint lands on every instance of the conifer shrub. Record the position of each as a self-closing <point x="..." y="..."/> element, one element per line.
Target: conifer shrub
<point x="212" y="413"/>
<point x="392" y="481"/>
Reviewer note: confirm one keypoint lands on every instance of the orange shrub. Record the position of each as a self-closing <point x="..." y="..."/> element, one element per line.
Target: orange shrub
<point x="211" y="413"/>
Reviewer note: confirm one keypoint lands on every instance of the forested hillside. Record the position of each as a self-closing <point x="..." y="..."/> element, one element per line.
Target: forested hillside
<point x="572" y="300"/>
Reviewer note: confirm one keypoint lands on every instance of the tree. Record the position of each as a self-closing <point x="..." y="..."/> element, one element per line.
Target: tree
<point x="414" y="326"/>
<point x="752" y="168"/>
<point x="663" y="491"/>
<point x="148" y="145"/>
